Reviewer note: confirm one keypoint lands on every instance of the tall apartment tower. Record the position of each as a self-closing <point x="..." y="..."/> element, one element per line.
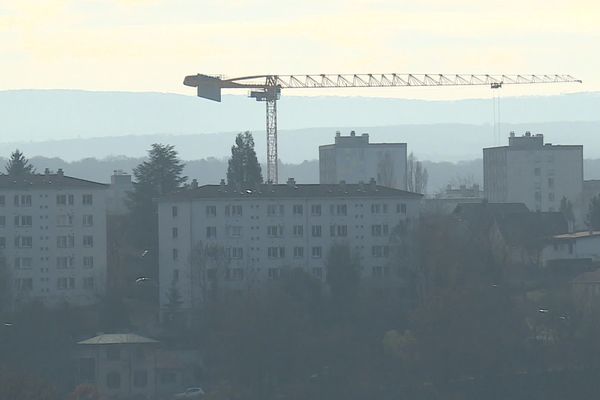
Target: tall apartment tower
<point x="535" y="173"/>
<point x="353" y="159"/>
<point x="53" y="238"/>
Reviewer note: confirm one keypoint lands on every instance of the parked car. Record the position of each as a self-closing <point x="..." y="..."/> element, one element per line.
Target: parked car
<point x="190" y="394"/>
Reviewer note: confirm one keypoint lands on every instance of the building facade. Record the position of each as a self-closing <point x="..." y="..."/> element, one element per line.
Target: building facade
<point x="53" y="238"/>
<point x="535" y="173"/>
<point x="353" y="159"/>
<point x="217" y="235"/>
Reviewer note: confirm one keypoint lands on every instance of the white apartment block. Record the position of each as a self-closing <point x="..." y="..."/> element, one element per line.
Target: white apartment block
<point x="53" y="238"/>
<point x="535" y="173"/>
<point x="264" y="231"/>
<point x="353" y="159"/>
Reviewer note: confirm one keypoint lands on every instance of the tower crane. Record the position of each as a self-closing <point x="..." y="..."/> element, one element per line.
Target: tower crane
<point x="267" y="88"/>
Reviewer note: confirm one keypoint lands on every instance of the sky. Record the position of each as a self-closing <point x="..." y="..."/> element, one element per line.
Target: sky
<point x="150" y="45"/>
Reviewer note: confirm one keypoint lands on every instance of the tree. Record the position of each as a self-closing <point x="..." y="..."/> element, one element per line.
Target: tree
<point x="18" y="165"/>
<point x="243" y="169"/>
<point x="566" y="208"/>
<point x="160" y="174"/>
<point x="593" y="216"/>
<point x="343" y="276"/>
<point x="5" y="287"/>
<point x="385" y="170"/>
<point x="416" y="175"/>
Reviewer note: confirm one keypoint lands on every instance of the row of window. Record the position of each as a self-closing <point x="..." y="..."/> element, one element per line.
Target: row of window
<point x="297" y="231"/>
<point x="26" y="221"/>
<point x="25" y="200"/>
<point x="278" y="210"/>
<point x="62" y="262"/>
<point x="62" y="242"/>
<point x="64" y="283"/>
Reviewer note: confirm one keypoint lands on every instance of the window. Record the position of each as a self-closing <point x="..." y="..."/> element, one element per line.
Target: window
<point x="25" y="200"/>
<point x="401" y="208"/>
<point x="23" y="221"/>
<point x="65" y="220"/>
<point x="234" y="231"/>
<point x="274" y="210"/>
<point x="61" y="199"/>
<point x="276" y="252"/>
<point x="23" y="242"/>
<point x="23" y="262"/>
<point x="298" y="230"/>
<point x="2" y="242"/>
<point x="174" y="211"/>
<point x="113" y="380"/>
<point x="175" y="254"/>
<point x="316" y="230"/>
<point x="233" y="210"/>
<point x="315" y="209"/>
<point x="237" y="253"/>
<point x="64" y="262"/>
<point x="551" y="183"/>
<point x="87" y="199"/>
<point x="88" y="262"/>
<point x="24" y="284"/>
<point x="211" y="211"/>
<point x="140" y="378"/>
<point x="298" y="209"/>
<point x="316" y="252"/>
<point x="88" y="220"/>
<point x="318" y="272"/>
<point x="377" y="272"/>
<point x="211" y="232"/>
<point x="298" y="252"/>
<point x="65" y="283"/>
<point x="88" y="241"/>
<point x="2" y="221"/>
<point x="88" y="283"/>
<point x="379" y="251"/>
<point x="274" y="273"/>
<point x="338" y="209"/>
<point x="71" y="199"/>
<point x="174" y="233"/>
<point x="375" y="208"/>
<point x="237" y="274"/>
<point x="338" y="230"/>
<point x="275" y="230"/>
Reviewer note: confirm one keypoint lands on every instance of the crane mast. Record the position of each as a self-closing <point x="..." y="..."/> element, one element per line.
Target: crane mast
<point x="267" y="88"/>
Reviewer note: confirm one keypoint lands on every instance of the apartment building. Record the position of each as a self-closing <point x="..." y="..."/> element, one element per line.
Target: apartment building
<point x="216" y="234"/>
<point x="53" y="238"/>
<point x="535" y="173"/>
<point x="353" y="159"/>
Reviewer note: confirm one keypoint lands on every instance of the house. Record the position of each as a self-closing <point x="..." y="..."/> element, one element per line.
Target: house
<point x="242" y="238"/>
<point x="583" y="245"/>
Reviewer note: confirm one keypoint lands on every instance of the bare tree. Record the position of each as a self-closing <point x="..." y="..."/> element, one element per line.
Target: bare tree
<point x="209" y="269"/>
<point x="417" y="175"/>
<point x="385" y="170"/>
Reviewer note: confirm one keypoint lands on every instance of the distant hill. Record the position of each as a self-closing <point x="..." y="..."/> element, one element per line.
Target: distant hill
<point x="439" y="142"/>
<point x="41" y="115"/>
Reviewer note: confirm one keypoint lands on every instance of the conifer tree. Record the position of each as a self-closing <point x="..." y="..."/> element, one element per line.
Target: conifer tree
<point x="18" y="165"/>
<point x="244" y="169"/>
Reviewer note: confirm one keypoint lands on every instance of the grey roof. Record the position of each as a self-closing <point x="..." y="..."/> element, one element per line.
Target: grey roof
<point x="532" y="228"/>
<point x="290" y="191"/>
<point x="46" y="181"/>
<point x="118" y="338"/>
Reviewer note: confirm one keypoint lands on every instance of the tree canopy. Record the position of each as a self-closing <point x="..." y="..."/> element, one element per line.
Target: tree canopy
<point x="18" y="165"/>
<point x="593" y="216"/>
<point x="244" y="169"/>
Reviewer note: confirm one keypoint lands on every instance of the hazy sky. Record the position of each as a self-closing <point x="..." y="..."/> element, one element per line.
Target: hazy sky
<point x="150" y="45"/>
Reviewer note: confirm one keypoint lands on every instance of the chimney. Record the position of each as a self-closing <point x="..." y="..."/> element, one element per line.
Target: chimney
<point x="352" y="133"/>
<point x="338" y="134"/>
<point x="372" y="184"/>
<point x="527" y="134"/>
<point x="343" y="185"/>
<point x="47" y="171"/>
<point x="361" y="186"/>
<point x="60" y="172"/>
<point x="222" y="185"/>
<point x="194" y="183"/>
<point x="512" y="133"/>
<point x="291" y="182"/>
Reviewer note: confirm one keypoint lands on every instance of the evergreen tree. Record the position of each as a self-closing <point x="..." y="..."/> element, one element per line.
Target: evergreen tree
<point x="159" y="175"/>
<point x="244" y="169"/>
<point x="593" y="217"/>
<point x="18" y="165"/>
